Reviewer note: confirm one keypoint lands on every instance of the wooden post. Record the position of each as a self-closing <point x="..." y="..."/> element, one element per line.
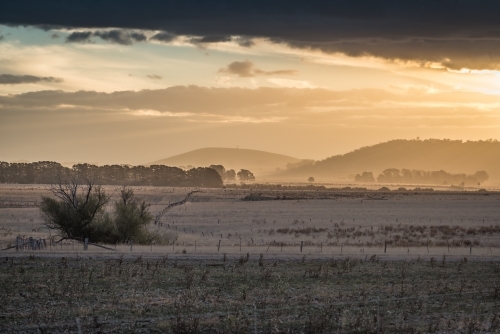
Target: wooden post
<point x="301" y="243"/>
<point x="385" y="247"/>
<point x="195" y="245"/>
<point x="240" y="246"/>
<point x="321" y="251"/>
<point x="218" y="247"/>
<point x="470" y="251"/>
<point x="131" y="244"/>
<point x="86" y="244"/>
<point x="448" y="246"/>
<point x="282" y="247"/>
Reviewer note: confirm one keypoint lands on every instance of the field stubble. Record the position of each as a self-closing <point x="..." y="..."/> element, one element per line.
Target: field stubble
<point x="370" y="263"/>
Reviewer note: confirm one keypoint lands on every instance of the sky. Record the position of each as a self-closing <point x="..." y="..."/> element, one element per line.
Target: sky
<point x="131" y="83"/>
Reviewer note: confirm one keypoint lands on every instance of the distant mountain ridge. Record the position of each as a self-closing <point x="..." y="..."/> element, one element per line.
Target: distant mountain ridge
<point x="259" y="162"/>
<point x="453" y="156"/>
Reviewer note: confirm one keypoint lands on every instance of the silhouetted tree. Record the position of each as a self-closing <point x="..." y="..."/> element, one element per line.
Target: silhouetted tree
<point x="310" y="179"/>
<point x="220" y="169"/>
<point x="245" y="175"/>
<point x="230" y="175"/>
<point x="131" y="217"/>
<point x="393" y="175"/>
<point x="481" y="176"/>
<point x="364" y="177"/>
<point x="76" y="210"/>
<point x="47" y="172"/>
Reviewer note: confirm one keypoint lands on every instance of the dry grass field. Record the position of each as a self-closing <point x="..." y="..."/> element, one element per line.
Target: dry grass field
<point x="371" y="262"/>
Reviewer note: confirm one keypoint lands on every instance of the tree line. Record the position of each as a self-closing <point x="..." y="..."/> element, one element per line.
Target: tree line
<point x="49" y="172"/>
<point x="394" y="175"/>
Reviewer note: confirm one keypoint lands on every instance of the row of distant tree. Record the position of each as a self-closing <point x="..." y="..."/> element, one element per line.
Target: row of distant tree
<point x="49" y="172"/>
<point x="394" y="175"/>
<point x="229" y="176"/>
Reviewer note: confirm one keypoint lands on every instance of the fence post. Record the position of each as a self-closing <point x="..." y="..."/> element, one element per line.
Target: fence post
<point x="378" y="313"/>
<point x="218" y="247"/>
<point x="78" y="326"/>
<point x="321" y="251"/>
<point x="240" y="246"/>
<point x="255" y="318"/>
<point x="86" y="244"/>
<point x="301" y="243"/>
<point x="385" y="247"/>
<point x="195" y="245"/>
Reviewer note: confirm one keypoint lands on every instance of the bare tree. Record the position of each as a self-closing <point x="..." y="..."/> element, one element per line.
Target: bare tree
<point x="76" y="208"/>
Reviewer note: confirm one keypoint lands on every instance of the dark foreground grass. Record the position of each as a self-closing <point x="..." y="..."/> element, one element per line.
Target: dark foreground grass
<point x="340" y="295"/>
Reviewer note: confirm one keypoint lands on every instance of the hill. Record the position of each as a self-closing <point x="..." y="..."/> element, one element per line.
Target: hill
<point x="453" y="156"/>
<point x="259" y="162"/>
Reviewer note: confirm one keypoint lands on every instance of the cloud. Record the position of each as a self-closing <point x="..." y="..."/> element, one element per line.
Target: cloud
<point x="11" y="79"/>
<point x="246" y="69"/>
<point x="455" y="34"/>
<point x="210" y="39"/>
<point x="79" y="37"/>
<point x="121" y="36"/>
<point x="117" y="36"/>
<point x="154" y="76"/>
<point x="264" y="101"/>
<point x="243" y="41"/>
<point x="164" y="37"/>
<point x="54" y="36"/>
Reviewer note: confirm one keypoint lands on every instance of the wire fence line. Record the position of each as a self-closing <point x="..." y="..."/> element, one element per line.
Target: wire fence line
<point x="298" y="247"/>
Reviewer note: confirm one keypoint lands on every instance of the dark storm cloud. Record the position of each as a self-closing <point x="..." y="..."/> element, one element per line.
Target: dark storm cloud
<point x="11" y="79"/>
<point x="120" y="36"/>
<point x="79" y="37"/>
<point x="247" y="69"/>
<point x="117" y="36"/>
<point x="210" y="39"/>
<point x="384" y="28"/>
<point x="164" y="36"/>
